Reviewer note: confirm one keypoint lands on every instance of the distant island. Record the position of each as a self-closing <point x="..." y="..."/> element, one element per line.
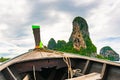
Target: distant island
<point x="81" y="43"/>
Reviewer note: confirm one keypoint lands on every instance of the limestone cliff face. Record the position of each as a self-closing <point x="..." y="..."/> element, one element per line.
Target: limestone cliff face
<point x="80" y="33"/>
<point x="109" y="53"/>
<point x="77" y="37"/>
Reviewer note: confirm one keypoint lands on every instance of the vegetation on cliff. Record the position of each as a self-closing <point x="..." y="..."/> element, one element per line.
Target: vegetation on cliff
<point x="2" y="59"/>
<point x="80" y="43"/>
<point x="79" y="37"/>
<point x="64" y="46"/>
<point x="52" y="44"/>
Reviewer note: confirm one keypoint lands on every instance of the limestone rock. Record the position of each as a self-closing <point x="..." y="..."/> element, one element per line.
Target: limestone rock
<point x="77" y="37"/>
<point x="110" y="53"/>
<point x="79" y="41"/>
<point x="80" y="33"/>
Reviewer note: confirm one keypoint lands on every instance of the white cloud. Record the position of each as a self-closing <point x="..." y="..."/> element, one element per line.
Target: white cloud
<point x="60" y="29"/>
<point x="100" y="18"/>
<point x="3" y="26"/>
<point x="104" y="23"/>
<point x="13" y="14"/>
<point x="14" y="48"/>
<point x="14" y="11"/>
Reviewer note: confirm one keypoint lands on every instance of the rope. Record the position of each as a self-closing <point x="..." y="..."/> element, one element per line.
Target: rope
<point x="68" y="62"/>
<point x="34" y="72"/>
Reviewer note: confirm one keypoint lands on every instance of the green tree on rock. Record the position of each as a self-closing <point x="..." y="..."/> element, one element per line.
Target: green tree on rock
<point x="61" y="45"/>
<point x="52" y="44"/>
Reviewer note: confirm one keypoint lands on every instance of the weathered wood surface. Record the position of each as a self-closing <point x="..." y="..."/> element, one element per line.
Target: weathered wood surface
<point x="91" y="76"/>
<point x="41" y="55"/>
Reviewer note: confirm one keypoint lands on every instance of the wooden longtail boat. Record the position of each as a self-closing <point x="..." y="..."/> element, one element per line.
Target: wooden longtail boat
<point x="43" y="64"/>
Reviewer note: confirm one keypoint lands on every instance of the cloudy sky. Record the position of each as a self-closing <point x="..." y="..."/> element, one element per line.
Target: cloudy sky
<point x="55" y="18"/>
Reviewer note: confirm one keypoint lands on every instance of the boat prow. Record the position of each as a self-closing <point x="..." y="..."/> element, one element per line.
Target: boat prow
<point x="52" y="65"/>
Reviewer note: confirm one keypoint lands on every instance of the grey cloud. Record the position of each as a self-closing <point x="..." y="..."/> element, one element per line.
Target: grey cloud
<point x="40" y="10"/>
<point x="15" y="32"/>
<point x="4" y="54"/>
<point x="71" y="8"/>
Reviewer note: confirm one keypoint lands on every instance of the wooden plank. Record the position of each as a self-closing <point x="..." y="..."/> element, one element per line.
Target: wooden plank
<point x="34" y="74"/>
<point x="11" y="73"/>
<point x="86" y="66"/>
<point x="103" y="70"/>
<point x="91" y="76"/>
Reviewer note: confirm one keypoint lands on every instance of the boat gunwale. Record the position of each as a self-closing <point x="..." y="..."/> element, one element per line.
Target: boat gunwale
<point x="71" y="56"/>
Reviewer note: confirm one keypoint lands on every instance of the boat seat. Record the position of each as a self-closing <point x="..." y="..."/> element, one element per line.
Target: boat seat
<point x="27" y="77"/>
<point x="91" y="76"/>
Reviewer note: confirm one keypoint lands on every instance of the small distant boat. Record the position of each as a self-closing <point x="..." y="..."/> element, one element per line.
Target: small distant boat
<point x="44" y="64"/>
